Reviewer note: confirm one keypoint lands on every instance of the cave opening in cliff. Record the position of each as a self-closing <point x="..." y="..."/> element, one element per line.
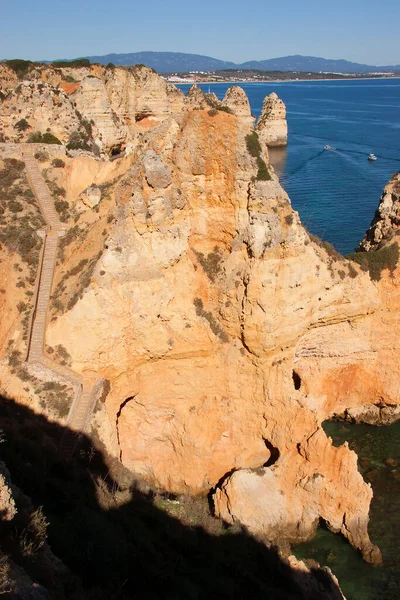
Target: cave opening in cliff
<point x="116" y="150"/>
<point x="275" y="454"/>
<point x="296" y="380"/>
<point x="142" y="115"/>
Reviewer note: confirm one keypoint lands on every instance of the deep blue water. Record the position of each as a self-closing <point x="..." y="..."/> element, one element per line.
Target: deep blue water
<point x="336" y="193"/>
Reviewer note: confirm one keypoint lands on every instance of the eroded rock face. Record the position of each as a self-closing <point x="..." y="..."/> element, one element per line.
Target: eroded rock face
<point x="108" y="104"/>
<point x="227" y="335"/>
<point x="372" y="414"/>
<point x="280" y="506"/>
<point x="8" y="79"/>
<point x="42" y="107"/>
<point x="236" y="99"/>
<point x="387" y="218"/>
<point x="272" y="125"/>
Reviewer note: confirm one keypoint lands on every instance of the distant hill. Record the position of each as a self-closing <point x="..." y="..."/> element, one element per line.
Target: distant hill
<point x="315" y="65"/>
<point x="167" y="62"/>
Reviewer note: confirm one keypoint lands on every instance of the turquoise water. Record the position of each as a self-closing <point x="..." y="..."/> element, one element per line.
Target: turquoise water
<point x="378" y="449"/>
<point x="336" y="193"/>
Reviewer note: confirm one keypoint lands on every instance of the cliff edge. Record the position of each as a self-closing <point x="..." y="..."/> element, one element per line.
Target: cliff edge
<point x="226" y="333"/>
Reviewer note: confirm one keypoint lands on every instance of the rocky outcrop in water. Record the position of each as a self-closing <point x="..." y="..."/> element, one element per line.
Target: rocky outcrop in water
<point x="236" y="100"/>
<point x="272" y="125"/>
<point x="386" y="222"/>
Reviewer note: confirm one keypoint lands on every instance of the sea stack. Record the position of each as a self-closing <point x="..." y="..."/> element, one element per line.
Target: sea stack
<point x="386" y="222"/>
<point x="272" y="125"/>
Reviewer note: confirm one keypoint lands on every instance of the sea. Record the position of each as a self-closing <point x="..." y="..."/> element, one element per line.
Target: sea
<point x="336" y="192"/>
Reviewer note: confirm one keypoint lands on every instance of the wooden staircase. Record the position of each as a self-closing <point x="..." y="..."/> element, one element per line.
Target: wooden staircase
<point x="87" y="389"/>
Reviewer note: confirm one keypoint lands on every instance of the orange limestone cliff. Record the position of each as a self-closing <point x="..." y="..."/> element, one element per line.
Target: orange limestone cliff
<point x="225" y="333"/>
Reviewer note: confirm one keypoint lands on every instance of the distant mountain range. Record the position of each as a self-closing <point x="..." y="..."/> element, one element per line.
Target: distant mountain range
<point x="171" y="62"/>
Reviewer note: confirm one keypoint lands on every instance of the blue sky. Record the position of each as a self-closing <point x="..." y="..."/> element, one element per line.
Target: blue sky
<point x="359" y="30"/>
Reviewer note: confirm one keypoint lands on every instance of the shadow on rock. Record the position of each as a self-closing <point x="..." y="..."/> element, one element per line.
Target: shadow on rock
<point x="109" y="538"/>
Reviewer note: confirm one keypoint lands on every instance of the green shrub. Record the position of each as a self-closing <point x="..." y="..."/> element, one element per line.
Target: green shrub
<point x="224" y="108"/>
<point x="110" y="65"/>
<point x="14" y="360"/>
<point x="35" y="138"/>
<point x="212" y="112"/>
<point x="19" y="66"/>
<point x="22" y="240"/>
<point x="352" y="271"/>
<point x="69" y="79"/>
<point x="61" y="206"/>
<point x="253" y="144"/>
<point x="262" y="173"/>
<point x="43" y="138"/>
<point x="12" y="170"/>
<point x="77" y="141"/>
<point x="375" y="261"/>
<point x="49" y="138"/>
<point x="289" y="219"/>
<point x="22" y="125"/>
<point x="327" y="246"/>
<point x="15" y="206"/>
<point x="42" y="156"/>
<point x="79" y="62"/>
<point x="211" y="262"/>
<point x="255" y="150"/>
<point x="58" y="163"/>
<point x="63" y="355"/>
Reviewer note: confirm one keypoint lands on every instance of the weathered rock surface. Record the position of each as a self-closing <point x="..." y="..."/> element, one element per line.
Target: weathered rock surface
<point x="8" y="79"/>
<point x="272" y="125"/>
<point x="43" y="107"/>
<point x="7" y="505"/>
<point x="386" y="221"/>
<point x="236" y="99"/>
<point x="280" y="506"/>
<point x="372" y="414"/>
<point x="227" y="335"/>
<point x="105" y="104"/>
<point x="324" y="586"/>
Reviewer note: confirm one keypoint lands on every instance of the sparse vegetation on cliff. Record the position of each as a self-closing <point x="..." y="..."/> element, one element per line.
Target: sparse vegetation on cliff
<point x="211" y="262"/>
<point x="376" y="261"/>
<point x="253" y="144"/>
<point x="215" y="326"/>
<point x="58" y="163"/>
<point x="216" y="106"/>
<point x="43" y="138"/>
<point x="18" y="233"/>
<point x="61" y="298"/>
<point x="78" y="63"/>
<point x="20" y="67"/>
<point x="255" y="150"/>
<point x="327" y="246"/>
<point x="22" y="125"/>
<point x="78" y="141"/>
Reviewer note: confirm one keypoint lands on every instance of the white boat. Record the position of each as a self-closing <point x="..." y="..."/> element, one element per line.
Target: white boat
<point x="327" y="147"/>
<point x="372" y="157"/>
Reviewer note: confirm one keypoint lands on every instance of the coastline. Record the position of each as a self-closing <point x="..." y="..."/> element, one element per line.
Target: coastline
<point x="206" y="82"/>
